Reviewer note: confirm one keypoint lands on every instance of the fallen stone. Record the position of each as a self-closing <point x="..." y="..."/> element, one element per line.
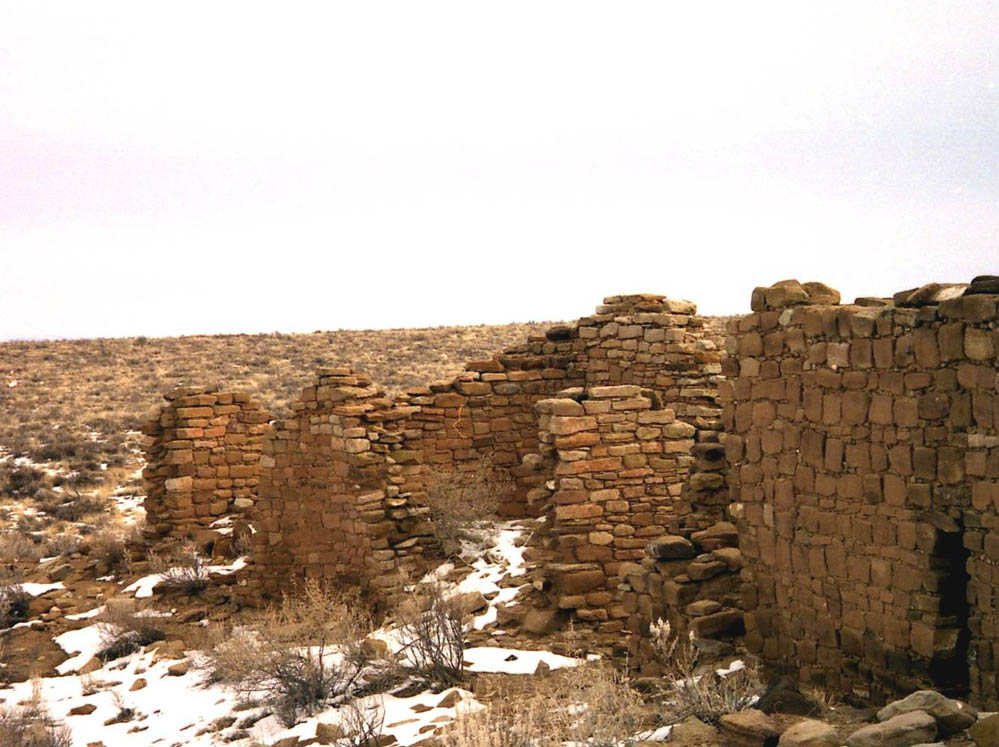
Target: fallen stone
<point x="722" y="534"/>
<point x="692" y="732"/>
<point x="809" y="733"/>
<point x="726" y="622"/>
<point x="670" y="547"/>
<point x="986" y="732"/>
<point x="82" y="710"/>
<point x="702" y="607"/>
<point x="952" y="716"/>
<point x="905" y="730"/>
<point x="179" y="669"/>
<point x="138" y="684"/>
<point x="60" y="572"/>
<point x="749" y="727"/>
<point x="542" y="621"/>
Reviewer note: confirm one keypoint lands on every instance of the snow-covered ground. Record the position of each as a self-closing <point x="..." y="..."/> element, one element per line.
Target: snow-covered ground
<point x="173" y="705"/>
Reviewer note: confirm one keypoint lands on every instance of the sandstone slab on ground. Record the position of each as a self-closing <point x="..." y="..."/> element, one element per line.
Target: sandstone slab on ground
<point x="952" y="716"/>
<point x="809" y="733"/>
<point x="905" y="730"/>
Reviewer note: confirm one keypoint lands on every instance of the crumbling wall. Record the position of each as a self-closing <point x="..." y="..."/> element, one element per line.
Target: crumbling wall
<point x="202" y="453"/>
<point x="340" y="493"/>
<point x="862" y="443"/>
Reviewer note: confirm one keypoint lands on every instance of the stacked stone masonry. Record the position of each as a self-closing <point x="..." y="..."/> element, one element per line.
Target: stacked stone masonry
<point x="203" y="455"/>
<point x="341" y="493"/>
<point x="863" y="443"/>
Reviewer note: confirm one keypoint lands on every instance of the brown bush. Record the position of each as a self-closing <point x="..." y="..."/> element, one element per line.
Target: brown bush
<point x="282" y="655"/>
<point x="462" y="501"/>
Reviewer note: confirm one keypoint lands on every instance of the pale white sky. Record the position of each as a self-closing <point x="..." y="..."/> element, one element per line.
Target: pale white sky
<point x="219" y="166"/>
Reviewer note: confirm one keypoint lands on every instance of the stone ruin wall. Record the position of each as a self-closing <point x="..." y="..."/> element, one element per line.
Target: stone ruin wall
<point x="341" y="492"/>
<point x="314" y="480"/>
<point x="202" y="454"/>
<point x="864" y="448"/>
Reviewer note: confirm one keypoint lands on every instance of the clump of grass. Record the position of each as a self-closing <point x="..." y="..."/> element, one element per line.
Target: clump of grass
<point x="126" y="628"/>
<point x="184" y="570"/>
<point x="432" y="631"/>
<point x="461" y="502"/>
<point x="300" y="656"/>
<point x="693" y="692"/>
<point x="588" y="705"/>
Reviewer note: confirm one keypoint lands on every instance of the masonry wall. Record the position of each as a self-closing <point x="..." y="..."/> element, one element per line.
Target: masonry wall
<point x="203" y="453"/>
<point x="340" y="495"/>
<point x="863" y="447"/>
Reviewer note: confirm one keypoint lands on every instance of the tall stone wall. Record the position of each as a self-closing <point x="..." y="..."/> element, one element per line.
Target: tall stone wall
<point x="341" y="493"/>
<point x="203" y="454"/>
<point x="862" y="441"/>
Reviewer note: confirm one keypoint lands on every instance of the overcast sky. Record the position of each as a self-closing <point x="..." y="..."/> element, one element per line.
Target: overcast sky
<point x="176" y="168"/>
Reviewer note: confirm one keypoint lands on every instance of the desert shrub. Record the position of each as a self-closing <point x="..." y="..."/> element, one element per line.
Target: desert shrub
<point x="459" y="501"/>
<point x="29" y="725"/>
<point x="184" y="571"/>
<point x="361" y="725"/>
<point x="14" y="603"/>
<point x="109" y="547"/>
<point x="704" y="694"/>
<point x="16" y="547"/>
<point x="125" y="629"/>
<point x="64" y="543"/>
<point x="77" y="508"/>
<point x="300" y="656"/>
<point x="589" y="705"/>
<point x="23" y="481"/>
<point x="432" y="633"/>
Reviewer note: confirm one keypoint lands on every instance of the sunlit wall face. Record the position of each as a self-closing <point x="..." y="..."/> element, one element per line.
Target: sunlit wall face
<point x="231" y="167"/>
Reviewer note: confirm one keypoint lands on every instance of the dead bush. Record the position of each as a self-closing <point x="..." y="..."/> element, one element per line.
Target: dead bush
<point x="109" y="547"/>
<point x="462" y="501"/>
<point x="125" y="628"/>
<point x="588" y="705"/>
<point x="432" y="633"/>
<point x="300" y="656"/>
<point x="16" y="547"/>
<point x="29" y="725"/>
<point x="14" y="604"/>
<point x="184" y="571"/>
<point x="699" y="691"/>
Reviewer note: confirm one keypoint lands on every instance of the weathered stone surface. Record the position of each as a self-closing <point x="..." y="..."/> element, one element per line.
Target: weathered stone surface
<point x="952" y="716"/>
<point x="670" y="547"/>
<point x="986" y="732"/>
<point x="905" y="730"/>
<point x="809" y="733"/>
<point x="749" y="727"/>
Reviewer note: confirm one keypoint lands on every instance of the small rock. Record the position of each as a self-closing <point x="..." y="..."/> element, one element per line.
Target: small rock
<point x="670" y="547"/>
<point x="721" y="534"/>
<point x="542" y="621"/>
<point x="60" y="572"/>
<point x="450" y="700"/>
<point x="702" y="607"/>
<point x="328" y="733"/>
<point x="905" y="730"/>
<point x="809" y="733"/>
<point x="986" y="732"/>
<point x="138" y="684"/>
<point x="692" y="732"/>
<point x="750" y="727"/>
<point x="952" y="716"/>
<point x="179" y="669"/>
<point x="82" y="710"/>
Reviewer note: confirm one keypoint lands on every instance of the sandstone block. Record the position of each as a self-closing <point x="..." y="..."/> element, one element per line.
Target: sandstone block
<point x="904" y="730"/>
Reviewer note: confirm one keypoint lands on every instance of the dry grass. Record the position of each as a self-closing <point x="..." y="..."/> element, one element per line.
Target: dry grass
<point x="460" y="501"/>
<point x="588" y="705"/>
<point x="29" y="725"/>
<point x="695" y="690"/>
<point x="299" y="656"/>
<point x="69" y="427"/>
